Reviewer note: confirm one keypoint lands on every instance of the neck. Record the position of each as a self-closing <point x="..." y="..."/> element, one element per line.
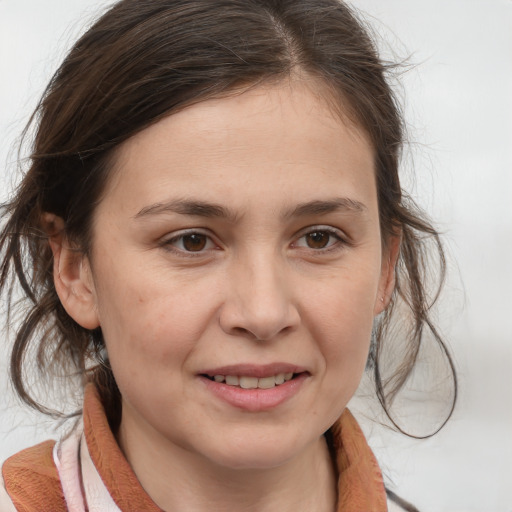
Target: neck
<point x="177" y="479"/>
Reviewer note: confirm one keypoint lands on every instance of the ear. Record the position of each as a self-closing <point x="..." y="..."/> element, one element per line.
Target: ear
<point x="390" y="254"/>
<point x="71" y="275"/>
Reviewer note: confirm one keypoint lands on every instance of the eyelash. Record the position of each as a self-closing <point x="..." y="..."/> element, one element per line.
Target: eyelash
<point x="170" y="244"/>
<point x="339" y="241"/>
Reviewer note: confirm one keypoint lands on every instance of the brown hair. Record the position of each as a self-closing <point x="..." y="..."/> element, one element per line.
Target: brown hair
<point x="146" y="59"/>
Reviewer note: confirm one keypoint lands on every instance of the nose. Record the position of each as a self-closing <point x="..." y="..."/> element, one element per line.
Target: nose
<point x="259" y="302"/>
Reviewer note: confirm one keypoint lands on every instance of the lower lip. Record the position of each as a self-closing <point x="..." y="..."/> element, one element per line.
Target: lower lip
<point x="256" y="400"/>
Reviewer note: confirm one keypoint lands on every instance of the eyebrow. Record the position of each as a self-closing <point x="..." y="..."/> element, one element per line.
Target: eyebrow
<point x="188" y="207"/>
<point x="319" y="207"/>
<point x="212" y="210"/>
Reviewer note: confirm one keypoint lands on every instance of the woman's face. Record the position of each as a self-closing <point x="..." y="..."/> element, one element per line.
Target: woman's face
<point x="236" y="269"/>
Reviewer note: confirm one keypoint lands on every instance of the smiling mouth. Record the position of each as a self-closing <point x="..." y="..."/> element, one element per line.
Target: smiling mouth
<point x="246" y="382"/>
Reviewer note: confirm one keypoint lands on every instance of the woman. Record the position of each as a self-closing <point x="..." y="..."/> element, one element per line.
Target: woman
<point x="213" y="227"/>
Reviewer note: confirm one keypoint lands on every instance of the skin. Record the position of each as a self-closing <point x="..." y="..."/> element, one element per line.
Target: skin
<point x="256" y="288"/>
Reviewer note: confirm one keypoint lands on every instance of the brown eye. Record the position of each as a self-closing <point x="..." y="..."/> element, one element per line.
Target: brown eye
<point x="318" y="239"/>
<point x="195" y="242"/>
<point x="191" y="243"/>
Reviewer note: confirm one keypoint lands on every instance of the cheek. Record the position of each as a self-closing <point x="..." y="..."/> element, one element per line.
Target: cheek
<point x="342" y="306"/>
<point x="346" y="342"/>
<point x="345" y="353"/>
<point x="144" y="318"/>
<point x="149" y="339"/>
<point x="341" y="320"/>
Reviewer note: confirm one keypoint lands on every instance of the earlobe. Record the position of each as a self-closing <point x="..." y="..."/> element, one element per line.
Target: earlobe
<point x="387" y="277"/>
<point x="71" y="275"/>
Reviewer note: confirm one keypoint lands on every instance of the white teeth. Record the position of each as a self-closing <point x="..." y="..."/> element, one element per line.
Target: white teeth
<point x="249" y="382"/>
<point x="254" y="382"/>
<point x="279" y="378"/>
<point x="267" y="383"/>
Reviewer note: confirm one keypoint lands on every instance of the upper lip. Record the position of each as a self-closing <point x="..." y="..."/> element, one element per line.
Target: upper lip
<point x="252" y="370"/>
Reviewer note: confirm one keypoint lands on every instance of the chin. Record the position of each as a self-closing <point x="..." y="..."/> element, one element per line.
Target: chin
<point x="257" y="454"/>
<point x="255" y="461"/>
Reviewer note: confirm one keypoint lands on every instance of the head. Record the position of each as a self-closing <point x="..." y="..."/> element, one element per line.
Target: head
<point x="141" y="74"/>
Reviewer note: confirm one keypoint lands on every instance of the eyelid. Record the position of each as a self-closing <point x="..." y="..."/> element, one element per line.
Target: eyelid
<point x="342" y="239"/>
<point x="167" y="241"/>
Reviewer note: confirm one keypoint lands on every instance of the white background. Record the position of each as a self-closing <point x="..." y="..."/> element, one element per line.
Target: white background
<point x="459" y="106"/>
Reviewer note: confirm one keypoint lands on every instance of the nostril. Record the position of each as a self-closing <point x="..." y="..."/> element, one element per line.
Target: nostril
<point x="240" y="331"/>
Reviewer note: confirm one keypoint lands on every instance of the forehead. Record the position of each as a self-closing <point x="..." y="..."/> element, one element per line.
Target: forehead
<point x="284" y="136"/>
